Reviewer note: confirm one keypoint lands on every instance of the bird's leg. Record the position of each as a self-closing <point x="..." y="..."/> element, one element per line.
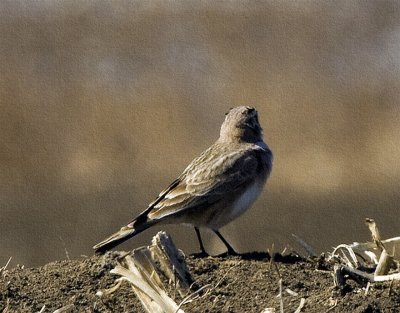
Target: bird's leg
<point x="202" y="250"/>
<point x="230" y="251"/>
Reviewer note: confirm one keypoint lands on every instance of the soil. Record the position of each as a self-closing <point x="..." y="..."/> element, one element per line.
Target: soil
<point x="248" y="283"/>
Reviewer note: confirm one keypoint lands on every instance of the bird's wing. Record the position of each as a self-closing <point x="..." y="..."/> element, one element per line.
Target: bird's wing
<point x="206" y="180"/>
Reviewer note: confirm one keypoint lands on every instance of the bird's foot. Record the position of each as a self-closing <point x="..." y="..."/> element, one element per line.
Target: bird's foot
<point x="229" y="252"/>
<point x="200" y="255"/>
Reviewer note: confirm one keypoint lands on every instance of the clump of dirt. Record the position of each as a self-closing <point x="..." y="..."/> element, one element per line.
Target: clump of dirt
<point x="248" y="283"/>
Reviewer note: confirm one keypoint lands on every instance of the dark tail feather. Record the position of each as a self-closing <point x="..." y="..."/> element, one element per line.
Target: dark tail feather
<point x="120" y="236"/>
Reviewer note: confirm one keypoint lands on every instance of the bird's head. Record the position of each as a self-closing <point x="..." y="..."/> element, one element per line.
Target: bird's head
<point x="241" y="124"/>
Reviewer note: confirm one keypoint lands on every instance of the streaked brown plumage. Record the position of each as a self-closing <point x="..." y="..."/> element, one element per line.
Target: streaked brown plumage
<point x="215" y="188"/>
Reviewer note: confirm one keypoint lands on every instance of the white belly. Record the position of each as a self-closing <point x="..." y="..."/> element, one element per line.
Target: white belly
<point x="242" y="203"/>
<point x="246" y="199"/>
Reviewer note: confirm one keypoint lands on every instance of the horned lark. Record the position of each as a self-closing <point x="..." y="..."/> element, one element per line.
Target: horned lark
<point x="215" y="188"/>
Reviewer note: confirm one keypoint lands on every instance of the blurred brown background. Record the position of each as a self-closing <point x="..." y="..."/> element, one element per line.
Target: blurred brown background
<point x="104" y="103"/>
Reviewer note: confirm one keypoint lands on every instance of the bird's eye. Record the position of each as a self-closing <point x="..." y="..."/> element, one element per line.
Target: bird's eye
<point x="228" y="111"/>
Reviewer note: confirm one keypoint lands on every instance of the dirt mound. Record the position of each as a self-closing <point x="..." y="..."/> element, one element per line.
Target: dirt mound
<point x="248" y="283"/>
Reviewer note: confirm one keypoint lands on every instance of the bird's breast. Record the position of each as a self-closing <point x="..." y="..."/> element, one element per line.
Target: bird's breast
<point x="246" y="199"/>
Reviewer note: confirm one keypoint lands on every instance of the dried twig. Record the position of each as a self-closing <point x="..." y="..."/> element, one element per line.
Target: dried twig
<point x="64" y="309"/>
<point x="301" y="305"/>
<point x="280" y="296"/>
<point x="385" y="261"/>
<point x="338" y="277"/>
<point x="353" y="261"/>
<point x="109" y="291"/>
<point x="305" y="245"/>
<point x="365" y="246"/>
<point x="2" y="269"/>
<point x="391" y="287"/>
<point x="376" y="237"/>
<point x="171" y="262"/>
<point x="276" y="267"/>
<point x="349" y="259"/>
<point x="291" y="292"/>
<point x="152" y="296"/>
<point x="140" y="268"/>
<point x="42" y="309"/>
<point x="193" y="296"/>
<point x="367" y="289"/>
<point x="65" y="248"/>
<point x="332" y="307"/>
<point x="370" y="277"/>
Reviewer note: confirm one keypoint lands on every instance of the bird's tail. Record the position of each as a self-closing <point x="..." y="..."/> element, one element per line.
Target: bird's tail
<point x="120" y="236"/>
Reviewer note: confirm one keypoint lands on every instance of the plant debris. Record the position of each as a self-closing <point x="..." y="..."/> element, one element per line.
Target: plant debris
<point x="253" y="282"/>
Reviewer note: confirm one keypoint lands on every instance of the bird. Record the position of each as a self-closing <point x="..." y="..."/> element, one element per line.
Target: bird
<point x="215" y="188"/>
